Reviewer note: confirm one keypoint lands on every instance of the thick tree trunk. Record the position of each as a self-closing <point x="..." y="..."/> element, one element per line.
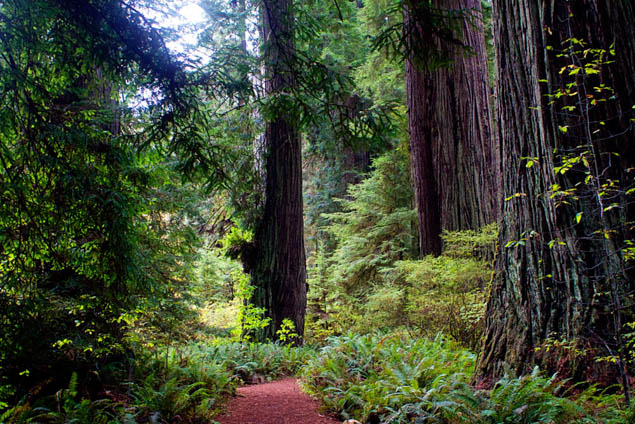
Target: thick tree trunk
<point x="560" y="270"/>
<point x="279" y="272"/>
<point x="454" y="156"/>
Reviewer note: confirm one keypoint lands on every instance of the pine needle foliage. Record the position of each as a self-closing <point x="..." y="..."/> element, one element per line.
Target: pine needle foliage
<point x="372" y="275"/>
<point x="374" y="229"/>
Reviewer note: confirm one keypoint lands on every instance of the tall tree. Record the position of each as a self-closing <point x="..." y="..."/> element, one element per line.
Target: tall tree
<point x="454" y="157"/>
<point x="71" y="187"/>
<point x="279" y="265"/>
<point x="566" y="87"/>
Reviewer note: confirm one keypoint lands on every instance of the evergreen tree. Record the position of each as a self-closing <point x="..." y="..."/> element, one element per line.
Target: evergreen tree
<point x="564" y="272"/>
<point x="279" y="265"/>
<point x="75" y="226"/>
<point x="454" y="156"/>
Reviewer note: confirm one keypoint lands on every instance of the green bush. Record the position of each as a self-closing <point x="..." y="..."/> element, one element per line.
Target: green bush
<point x="173" y="387"/>
<point x="375" y="228"/>
<point x="446" y="293"/>
<point x="371" y="288"/>
<point x="68" y="407"/>
<point x="368" y="276"/>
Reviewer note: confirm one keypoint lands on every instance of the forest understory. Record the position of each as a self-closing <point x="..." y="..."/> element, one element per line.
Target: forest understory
<point x="422" y="211"/>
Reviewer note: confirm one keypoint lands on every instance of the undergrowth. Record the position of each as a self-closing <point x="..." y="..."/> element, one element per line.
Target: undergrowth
<point x="372" y="378"/>
<point x="397" y="379"/>
<point x="186" y="384"/>
<point x="246" y="361"/>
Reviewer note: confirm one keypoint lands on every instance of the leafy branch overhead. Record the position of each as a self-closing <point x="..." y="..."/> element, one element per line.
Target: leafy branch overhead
<point x="429" y="35"/>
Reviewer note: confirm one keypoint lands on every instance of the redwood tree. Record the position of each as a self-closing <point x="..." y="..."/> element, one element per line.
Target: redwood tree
<point x="279" y="264"/>
<point x="454" y="156"/>
<point x="565" y="121"/>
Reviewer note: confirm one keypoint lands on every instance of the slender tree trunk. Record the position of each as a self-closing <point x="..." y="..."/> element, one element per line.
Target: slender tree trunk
<point x="279" y="274"/>
<point x="454" y="156"/>
<point x="560" y="270"/>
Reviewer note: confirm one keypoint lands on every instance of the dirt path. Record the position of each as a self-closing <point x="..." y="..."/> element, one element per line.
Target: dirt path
<point x="280" y="402"/>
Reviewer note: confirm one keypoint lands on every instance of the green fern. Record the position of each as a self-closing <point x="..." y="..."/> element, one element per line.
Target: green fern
<point x="396" y="379"/>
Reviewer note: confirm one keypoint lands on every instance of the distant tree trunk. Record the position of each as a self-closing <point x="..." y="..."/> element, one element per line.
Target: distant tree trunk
<point x="279" y="272"/>
<point x="560" y="270"/>
<point x="454" y="156"/>
<point x="108" y="104"/>
<point x="355" y="163"/>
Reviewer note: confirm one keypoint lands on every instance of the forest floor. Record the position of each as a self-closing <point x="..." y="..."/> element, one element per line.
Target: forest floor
<point x="278" y="402"/>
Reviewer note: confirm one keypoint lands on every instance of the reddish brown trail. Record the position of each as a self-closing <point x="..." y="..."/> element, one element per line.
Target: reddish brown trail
<point x="279" y="402"/>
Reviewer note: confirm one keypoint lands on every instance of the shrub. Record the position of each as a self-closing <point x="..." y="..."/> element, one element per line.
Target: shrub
<point x="246" y="360"/>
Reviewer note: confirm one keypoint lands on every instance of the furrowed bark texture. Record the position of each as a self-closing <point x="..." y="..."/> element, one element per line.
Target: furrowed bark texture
<point x="455" y="158"/>
<point x="558" y="277"/>
<point x="279" y="272"/>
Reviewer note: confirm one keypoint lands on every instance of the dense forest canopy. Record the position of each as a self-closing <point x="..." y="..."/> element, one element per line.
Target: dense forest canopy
<point x="363" y="193"/>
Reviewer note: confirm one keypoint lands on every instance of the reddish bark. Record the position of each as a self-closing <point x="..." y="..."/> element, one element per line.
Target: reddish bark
<point x="455" y="161"/>
<point x="279" y="270"/>
<point x="557" y="278"/>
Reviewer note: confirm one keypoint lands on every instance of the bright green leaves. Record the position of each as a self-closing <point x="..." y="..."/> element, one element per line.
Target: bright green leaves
<point x="578" y="217"/>
<point x="531" y="161"/>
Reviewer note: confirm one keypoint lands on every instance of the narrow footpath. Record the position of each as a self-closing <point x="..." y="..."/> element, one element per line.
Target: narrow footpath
<point x="279" y="402"/>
